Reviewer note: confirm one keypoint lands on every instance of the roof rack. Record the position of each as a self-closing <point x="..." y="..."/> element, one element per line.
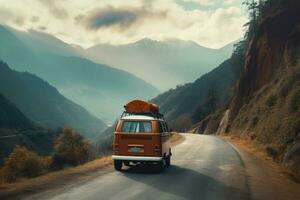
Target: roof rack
<point x="151" y="114"/>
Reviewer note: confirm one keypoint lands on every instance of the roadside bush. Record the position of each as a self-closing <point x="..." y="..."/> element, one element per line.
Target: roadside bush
<point x="271" y="101"/>
<point x="254" y="121"/>
<point x="23" y="163"/>
<point x="71" y="148"/>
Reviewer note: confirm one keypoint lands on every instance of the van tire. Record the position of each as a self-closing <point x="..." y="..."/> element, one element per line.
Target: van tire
<point x="118" y="165"/>
<point x="160" y="166"/>
<point x="127" y="163"/>
<point x="168" y="161"/>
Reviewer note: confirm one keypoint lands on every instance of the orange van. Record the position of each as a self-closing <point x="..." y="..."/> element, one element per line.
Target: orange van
<point x="141" y="136"/>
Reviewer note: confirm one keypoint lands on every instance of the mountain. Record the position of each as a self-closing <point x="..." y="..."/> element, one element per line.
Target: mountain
<point x="39" y="42"/>
<point x="266" y="103"/>
<point x="17" y="129"/>
<point x="164" y="64"/>
<point x="11" y="117"/>
<point x="43" y="104"/>
<point x="264" y="107"/>
<point x="101" y="89"/>
<point x="192" y="102"/>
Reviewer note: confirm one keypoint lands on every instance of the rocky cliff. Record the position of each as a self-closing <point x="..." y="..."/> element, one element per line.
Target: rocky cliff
<point x="266" y="104"/>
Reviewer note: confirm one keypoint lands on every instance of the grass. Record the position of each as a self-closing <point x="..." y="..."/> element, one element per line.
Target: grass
<point x="263" y="152"/>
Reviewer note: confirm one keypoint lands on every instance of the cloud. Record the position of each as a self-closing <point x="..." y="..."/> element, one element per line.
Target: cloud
<point x="34" y="19"/>
<point x="109" y="17"/>
<point x="55" y="8"/>
<point x="209" y="4"/>
<point x="90" y="22"/>
<point x="6" y="15"/>
<point x="120" y="18"/>
<point x="201" y="2"/>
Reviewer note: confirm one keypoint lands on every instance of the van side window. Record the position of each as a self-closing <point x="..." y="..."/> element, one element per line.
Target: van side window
<point x="167" y="128"/>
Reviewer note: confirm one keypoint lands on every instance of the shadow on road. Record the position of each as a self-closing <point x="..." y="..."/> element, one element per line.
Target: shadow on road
<point x="144" y="169"/>
<point x="182" y="183"/>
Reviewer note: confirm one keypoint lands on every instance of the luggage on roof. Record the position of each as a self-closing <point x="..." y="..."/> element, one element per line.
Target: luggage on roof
<point x="138" y="106"/>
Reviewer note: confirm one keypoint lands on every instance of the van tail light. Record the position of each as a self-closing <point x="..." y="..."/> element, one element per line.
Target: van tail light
<point x="156" y="148"/>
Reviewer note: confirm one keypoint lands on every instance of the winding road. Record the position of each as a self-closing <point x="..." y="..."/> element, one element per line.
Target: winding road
<point x="203" y="167"/>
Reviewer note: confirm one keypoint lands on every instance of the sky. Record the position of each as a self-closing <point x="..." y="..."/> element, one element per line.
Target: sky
<point x="210" y="23"/>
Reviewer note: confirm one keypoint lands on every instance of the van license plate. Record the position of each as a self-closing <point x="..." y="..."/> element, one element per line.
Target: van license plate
<point x="135" y="149"/>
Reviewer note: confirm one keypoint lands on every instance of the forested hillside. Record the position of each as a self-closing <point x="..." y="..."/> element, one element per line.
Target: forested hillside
<point x="11" y="117"/>
<point x="192" y="102"/>
<point x="17" y="129"/>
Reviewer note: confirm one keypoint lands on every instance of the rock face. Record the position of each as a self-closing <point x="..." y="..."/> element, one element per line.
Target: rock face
<point x="291" y="159"/>
<point x="223" y="126"/>
<point x="266" y="104"/>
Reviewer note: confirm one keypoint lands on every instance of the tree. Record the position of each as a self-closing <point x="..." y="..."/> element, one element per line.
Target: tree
<point x="23" y="163"/>
<point x="253" y="7"/>
<point x="72" y="147"/>
<point x="208" y="106"/>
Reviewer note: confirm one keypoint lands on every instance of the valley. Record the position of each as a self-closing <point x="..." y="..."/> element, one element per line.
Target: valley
<point x="235" y="100"/>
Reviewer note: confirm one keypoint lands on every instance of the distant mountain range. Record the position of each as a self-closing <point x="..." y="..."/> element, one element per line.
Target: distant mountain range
<point x="163" y="64"/>
<point x="101" y="89"/>
<point x="42" y="104"/>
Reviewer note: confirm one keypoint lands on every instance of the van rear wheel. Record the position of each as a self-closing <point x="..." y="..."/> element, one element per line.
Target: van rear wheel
<point x="160" y="166"/>
<point x="118" y="165"/>
<point x="168" y="161"/>
<point x="127" y="163"/>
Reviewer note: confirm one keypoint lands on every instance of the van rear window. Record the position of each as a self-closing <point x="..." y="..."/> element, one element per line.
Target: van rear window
<point x="136" y="127"/>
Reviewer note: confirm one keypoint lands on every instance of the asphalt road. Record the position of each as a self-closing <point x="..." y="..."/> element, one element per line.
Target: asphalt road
<point x="203" y="167"/>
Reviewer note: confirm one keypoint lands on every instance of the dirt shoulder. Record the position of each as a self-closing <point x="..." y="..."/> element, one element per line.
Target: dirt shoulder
<point x="64" y="178"/>
<point x="266" y="178"/>
<point x="176" y="139"/>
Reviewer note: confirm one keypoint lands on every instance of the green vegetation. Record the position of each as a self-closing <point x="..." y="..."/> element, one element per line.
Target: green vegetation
<point x="70" y="149"/>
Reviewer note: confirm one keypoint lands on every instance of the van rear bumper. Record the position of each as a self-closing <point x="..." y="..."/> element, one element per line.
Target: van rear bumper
<point x="137" y="158"/>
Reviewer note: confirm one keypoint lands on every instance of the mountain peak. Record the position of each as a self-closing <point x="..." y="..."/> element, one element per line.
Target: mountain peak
<point x="146" y="42"/>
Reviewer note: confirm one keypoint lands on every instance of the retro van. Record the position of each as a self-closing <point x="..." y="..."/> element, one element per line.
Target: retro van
<point x="141" y="136"/>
